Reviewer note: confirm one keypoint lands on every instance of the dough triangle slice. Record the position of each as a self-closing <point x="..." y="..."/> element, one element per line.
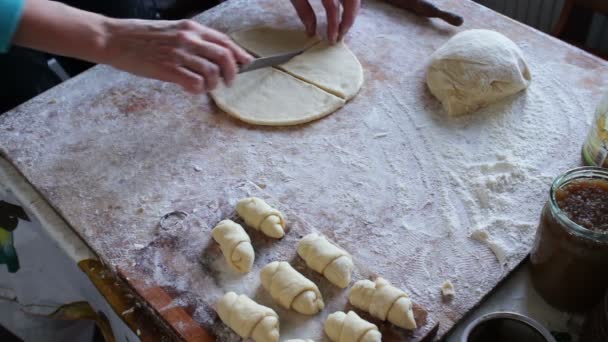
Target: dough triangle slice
<point x="271" y="97"/>
<point x="266" y="41"/>
<point x="333" y="68"/>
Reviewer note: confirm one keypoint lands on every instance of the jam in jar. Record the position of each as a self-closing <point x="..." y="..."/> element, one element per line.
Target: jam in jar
<point x="569" y="260"/>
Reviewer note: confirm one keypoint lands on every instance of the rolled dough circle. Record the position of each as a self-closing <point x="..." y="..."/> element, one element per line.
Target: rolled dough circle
<point x="308" y="87"/>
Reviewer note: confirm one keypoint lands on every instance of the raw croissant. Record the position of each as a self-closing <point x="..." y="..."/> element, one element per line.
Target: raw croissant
<point x="260" y="216"/>
<point x="383" y="301"/>
<point x="291" y="289"/>
<point x="341" y="327"/>
<point x="326" y="258"/>
<point x="248" y="318"/>
<point x="235" y="245"/>
<point x="299" y="340"/>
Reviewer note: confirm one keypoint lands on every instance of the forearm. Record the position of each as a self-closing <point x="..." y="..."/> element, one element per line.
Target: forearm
<point x="56" y="28"/>
<point x="182" y="51"/>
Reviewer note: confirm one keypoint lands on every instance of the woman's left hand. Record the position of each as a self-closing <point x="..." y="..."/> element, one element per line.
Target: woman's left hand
<point x="337" y="26"/>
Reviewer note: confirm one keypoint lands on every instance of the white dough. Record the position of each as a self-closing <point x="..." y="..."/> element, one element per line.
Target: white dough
<point x="333" y="68"/>
<point x="308" y="87"/>
<point x="341" y="327"/>
<point x="273" y="98"/>
<point x="326" y="258"/>
<point x="248" y="318"/>
<point x="235" y="245"/>
<point x="484" y="237"/>
<point x="476" y="68"/>
<point x="267" y="41"/>
<point x="384" y="302"/>
<point x="447" y="290"/>
<point x="291" y="289"/>
<point x="260" y="216"/>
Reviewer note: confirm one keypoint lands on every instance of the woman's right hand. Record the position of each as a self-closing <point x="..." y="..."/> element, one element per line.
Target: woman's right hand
<point x="182" y="52"/>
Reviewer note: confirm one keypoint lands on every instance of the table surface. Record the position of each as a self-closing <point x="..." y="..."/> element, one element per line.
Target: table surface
<point x="388" y="177"/>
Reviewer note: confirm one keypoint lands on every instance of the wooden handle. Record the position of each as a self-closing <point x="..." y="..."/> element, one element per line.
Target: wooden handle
<point x="450" y="17"/>
<point x="426" y="9"/>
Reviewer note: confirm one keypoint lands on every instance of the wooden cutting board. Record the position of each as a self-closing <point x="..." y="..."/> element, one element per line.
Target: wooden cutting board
<point x="389" y="177"/>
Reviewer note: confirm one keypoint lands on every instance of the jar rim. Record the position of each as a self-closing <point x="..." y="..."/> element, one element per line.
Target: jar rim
<point x="585" y="172"/>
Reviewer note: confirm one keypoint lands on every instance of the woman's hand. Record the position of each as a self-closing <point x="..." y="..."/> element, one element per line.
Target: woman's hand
<point x="183" y="52"/>
<point x="336" y="27"/>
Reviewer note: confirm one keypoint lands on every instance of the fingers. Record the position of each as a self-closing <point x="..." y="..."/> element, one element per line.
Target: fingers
<point x="349" y="13"/>
<point x="332" y="10"/>
<point x="307" y="15"/>
<point x="219" y="38"/>
<point x="190" y="81"/>
<point x="187" y="79"/>
<point x="220" y="56"/>
<point x="336" y="27"/>
<point x="209" y="71"/>
<point x="218" y="50"/>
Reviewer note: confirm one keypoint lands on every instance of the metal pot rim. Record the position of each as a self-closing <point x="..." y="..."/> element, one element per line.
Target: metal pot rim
<point x="508" y="315"/>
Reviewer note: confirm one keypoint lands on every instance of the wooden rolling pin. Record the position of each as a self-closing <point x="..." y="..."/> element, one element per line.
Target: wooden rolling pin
<point x="424" y="8"/>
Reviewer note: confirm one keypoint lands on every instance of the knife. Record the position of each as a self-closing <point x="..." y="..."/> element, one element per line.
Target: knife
<point x="264" y="62"/>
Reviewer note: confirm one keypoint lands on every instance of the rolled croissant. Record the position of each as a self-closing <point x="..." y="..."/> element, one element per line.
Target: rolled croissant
<point x="384" y="302"/>
<point x="248" y="318"/>
<point x="291" y="289"/>
<point x="326" y="258"/>
<point x="341" y="327"/>
<point x="235" y="245"/>
<point x="260" y="216"/>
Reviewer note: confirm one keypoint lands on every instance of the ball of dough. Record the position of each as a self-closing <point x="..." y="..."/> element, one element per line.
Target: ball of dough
<point x="476" y="68"/>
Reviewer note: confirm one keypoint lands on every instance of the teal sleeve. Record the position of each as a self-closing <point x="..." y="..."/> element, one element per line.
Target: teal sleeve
<point x="10" y="15"/>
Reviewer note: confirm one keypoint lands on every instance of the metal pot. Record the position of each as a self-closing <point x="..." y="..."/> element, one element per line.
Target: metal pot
<point x="506" y="326"/>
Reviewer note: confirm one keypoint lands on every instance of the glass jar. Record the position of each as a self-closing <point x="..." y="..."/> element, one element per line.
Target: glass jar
<point x="595" y="148"/>
<point x="569" y="262"/>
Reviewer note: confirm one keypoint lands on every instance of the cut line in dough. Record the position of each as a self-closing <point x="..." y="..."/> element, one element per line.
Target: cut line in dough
<point x="308" y="87"/>
<point x="333" y="68"/>
<point x="271" y="97"/>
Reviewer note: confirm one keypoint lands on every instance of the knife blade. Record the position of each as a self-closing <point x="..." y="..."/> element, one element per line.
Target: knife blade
<point x="264" y="62"/>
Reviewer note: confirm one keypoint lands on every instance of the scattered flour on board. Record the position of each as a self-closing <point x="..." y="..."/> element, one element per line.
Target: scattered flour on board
<point x="504" y="178"/>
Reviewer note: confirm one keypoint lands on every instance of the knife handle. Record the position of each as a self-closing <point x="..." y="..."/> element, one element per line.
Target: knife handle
<point x="426" y="9"/>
